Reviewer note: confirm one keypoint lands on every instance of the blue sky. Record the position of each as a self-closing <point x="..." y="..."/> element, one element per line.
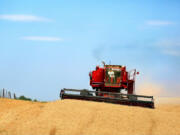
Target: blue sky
<point x="49" y="45"/>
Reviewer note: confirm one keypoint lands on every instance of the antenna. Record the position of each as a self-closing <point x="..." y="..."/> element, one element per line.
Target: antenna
<point x="103" y="63"/>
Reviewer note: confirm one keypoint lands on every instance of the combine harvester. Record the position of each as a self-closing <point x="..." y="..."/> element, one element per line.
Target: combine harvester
<point x="108" y="83"/>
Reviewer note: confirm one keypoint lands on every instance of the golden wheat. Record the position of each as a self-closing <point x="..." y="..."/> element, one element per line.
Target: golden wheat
<point x="71" y="117"/>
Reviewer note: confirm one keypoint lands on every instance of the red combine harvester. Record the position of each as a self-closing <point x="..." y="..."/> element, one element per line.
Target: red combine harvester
<point x="108" y="83"/>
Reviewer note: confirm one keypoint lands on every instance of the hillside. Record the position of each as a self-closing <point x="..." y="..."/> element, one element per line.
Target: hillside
<point x="71" y="117"/>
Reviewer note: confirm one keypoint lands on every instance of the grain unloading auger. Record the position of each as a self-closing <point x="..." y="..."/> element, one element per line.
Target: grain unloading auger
<point x="108" y="83"/>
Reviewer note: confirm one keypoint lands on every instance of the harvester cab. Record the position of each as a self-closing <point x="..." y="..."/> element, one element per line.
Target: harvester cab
<point x="112" y="78"/>
<point x="107" y="83"/>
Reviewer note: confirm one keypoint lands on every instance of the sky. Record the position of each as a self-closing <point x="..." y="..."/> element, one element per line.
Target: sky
<point x="47" y="45"/>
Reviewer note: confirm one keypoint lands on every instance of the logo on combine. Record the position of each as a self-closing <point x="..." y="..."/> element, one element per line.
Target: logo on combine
<point x="111" y="74"/>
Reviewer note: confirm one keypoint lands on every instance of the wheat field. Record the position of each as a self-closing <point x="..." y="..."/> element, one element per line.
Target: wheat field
<point x="72" y="117"/>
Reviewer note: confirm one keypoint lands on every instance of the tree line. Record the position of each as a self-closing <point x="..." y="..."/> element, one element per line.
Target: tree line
<point x="7" y="94"/>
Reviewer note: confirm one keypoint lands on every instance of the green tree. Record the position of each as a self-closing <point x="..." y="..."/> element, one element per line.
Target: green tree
<point x="24" y="98"/>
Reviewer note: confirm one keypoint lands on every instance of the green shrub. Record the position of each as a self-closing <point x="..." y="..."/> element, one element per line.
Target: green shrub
<point x="24" y="98"/>
<point x="35" y="100"/>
